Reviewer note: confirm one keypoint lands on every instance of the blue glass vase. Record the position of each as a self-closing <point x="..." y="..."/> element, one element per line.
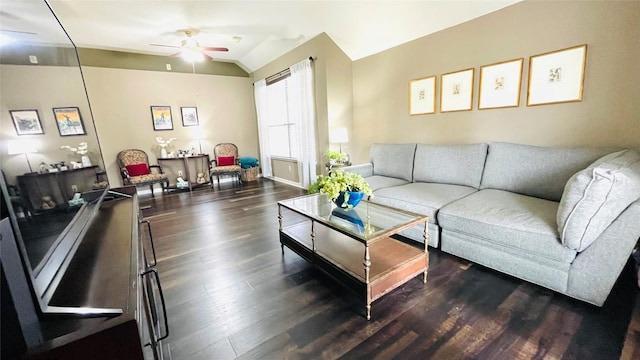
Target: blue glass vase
<point x="353" y="201"/>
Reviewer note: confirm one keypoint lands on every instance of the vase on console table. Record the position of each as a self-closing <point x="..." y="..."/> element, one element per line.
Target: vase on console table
<point x="163" y="153"/>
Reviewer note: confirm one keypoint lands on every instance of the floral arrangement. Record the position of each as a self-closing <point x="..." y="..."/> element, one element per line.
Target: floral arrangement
<point x="164" y="143"/>
<point x="82" y="149"/>
<point x="339" y="181"/>
<point x="335" y="156"/>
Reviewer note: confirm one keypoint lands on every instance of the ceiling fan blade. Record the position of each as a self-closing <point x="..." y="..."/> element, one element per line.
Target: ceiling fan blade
<point x="209" y="58"/>
<point x="209" y="48"/>
<point x="179" y="53"/>
<point x="171" y="46"/>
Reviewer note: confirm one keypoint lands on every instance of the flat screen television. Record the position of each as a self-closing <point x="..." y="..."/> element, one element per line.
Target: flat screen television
<point x="47" y="244"/>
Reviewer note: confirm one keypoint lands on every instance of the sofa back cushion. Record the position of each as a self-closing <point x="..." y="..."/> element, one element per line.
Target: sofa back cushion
<point x="450" y="164"/>
<point x="594" y="197"/>
<point x="394" y="160"/>
<point x="536" y="171"/>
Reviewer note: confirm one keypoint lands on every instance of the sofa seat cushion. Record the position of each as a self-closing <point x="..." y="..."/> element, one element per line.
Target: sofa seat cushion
<point x="421" y="198"/>
<point x="450" y="164"/>
<point x="377" y="182"/>
<point x="595" y="196"/>
<point x="517" y="222"/>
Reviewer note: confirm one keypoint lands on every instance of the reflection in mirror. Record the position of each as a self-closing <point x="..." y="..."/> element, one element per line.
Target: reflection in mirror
<point x="50" y="156"/>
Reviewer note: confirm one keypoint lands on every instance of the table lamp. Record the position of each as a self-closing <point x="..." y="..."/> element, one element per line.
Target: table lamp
<point x="339" y="136"/>
<point x="23" y="147"/>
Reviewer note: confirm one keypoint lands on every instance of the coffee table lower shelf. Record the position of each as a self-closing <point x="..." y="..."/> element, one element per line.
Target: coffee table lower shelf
<point x="391" y="262"/>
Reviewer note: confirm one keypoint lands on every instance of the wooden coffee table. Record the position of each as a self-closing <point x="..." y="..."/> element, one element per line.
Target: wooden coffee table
<point x="354" y="247"/>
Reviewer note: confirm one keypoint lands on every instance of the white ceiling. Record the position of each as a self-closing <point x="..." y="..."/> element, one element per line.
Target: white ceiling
<point x="267" y="29"/>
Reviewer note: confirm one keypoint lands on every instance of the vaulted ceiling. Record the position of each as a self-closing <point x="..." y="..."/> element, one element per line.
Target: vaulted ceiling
<point x="257" y="32"/>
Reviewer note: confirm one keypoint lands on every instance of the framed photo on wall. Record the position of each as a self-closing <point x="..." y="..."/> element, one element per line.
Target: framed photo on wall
<point x="189" y="116"/>
<point x="557" y="76"/>
<point x="456" y="91"/>
<point x="69" y="121"/>
<point x="422" y="96"/>
<point x="26" y="122"/>
<point x="161" y="116"/>
<point x="500" y="84"/>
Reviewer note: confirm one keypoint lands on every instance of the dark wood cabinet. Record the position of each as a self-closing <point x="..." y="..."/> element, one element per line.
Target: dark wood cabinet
<point x="113" y="268"/>
<point x="58" y="186"/>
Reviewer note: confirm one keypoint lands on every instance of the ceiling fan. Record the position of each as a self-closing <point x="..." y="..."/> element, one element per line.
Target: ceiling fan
<point x="190" y="48"/>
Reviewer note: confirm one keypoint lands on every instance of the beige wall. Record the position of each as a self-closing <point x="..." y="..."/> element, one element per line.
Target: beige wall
<point x="121" y="101"/>
<point x="42" y="88"/>
<point x="609" y="114"/>
<point x="333" y="86"/>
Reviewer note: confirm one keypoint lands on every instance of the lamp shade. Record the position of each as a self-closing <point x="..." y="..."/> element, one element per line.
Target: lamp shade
<point x="22" y="147"/>
<point x="339" y="135"/>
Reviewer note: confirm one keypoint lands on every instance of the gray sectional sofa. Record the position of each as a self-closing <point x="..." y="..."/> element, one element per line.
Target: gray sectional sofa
<point x="563" y="218"/>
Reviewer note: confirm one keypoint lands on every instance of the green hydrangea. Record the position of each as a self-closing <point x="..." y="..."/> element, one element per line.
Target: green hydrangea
<point x="340" y="181"/>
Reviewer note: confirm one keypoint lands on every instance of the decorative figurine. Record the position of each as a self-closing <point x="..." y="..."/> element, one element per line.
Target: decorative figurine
<point x="47" y="203"/>
<point x="200" y="179"/>
<point x="181" y="182"/>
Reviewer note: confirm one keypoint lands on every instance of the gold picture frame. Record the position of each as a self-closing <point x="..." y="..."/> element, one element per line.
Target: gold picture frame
<point x="557" y="77"/>
<point x="500" y="84"/>
<point x="456" y="91"/>
<point x="422" y="96"/>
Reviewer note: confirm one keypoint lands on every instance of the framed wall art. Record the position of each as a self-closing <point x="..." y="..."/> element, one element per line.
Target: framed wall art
<point x="26" y="122"/>
<point x="161" y="116"/>
<point x="422" y="96"/>
<point x="500" y="84"/>
<point x="557" y="76"/>
<point x="189" y="116"/>
<point x="69" y="121"/>
<point x="456" y="91"/>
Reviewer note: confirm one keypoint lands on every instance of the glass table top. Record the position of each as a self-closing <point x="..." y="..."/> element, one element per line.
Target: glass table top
<point x="367" y="221"/>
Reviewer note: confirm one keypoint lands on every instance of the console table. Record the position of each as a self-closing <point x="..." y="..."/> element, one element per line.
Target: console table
<point x="59" y="186"/>
<point x="190" y="166"/>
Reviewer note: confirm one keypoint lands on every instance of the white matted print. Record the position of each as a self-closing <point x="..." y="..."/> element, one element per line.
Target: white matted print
<point x="422" y="96"/>
<point x="500" y="84"/>
<point x="557" y="77"/>
<point x="456" y="91"/>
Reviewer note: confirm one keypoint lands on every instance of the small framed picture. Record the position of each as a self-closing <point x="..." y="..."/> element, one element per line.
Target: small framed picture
<point x="189" y="116"/>
<point x="161" y="116"/>
<point x="557" y="76"/>
<point x="69" y="121"/>
<point x="500" y="85"/>
<point x="456" y="91"/>
<point x="27" y="122"/>
<point x="422" y="96"/>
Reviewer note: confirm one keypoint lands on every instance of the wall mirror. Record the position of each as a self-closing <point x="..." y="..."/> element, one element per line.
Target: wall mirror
<point x="41" y="75"/>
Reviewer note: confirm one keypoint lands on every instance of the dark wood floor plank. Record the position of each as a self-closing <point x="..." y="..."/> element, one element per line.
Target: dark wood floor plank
<point x="232" y="293"/>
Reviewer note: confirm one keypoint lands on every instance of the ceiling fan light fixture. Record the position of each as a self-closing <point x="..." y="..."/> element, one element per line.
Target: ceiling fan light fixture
<point x="192" y="55"/>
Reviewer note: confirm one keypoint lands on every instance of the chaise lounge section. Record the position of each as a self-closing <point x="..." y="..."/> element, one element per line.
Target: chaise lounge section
<point x="564" y="218"/>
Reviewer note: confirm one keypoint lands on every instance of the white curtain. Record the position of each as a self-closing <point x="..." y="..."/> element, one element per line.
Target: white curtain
<point x="302" y="110"/>
<point x="260" y="93"/>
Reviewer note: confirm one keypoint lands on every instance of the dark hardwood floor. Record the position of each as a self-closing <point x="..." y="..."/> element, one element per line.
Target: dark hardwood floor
<point x="232" y="294"/>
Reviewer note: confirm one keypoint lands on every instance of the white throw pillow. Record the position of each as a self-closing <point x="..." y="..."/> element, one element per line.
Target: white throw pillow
<point x="594" y="197"/>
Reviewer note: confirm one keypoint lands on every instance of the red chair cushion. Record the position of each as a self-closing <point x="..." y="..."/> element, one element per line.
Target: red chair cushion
<point x="138" y="169"/>
<point x="226" y="160"/>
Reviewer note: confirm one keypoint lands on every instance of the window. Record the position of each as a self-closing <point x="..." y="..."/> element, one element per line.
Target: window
<point x="281" y="126"/>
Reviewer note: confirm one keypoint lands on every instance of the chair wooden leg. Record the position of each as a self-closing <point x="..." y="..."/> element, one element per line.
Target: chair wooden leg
<point x="151" y="187"/>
